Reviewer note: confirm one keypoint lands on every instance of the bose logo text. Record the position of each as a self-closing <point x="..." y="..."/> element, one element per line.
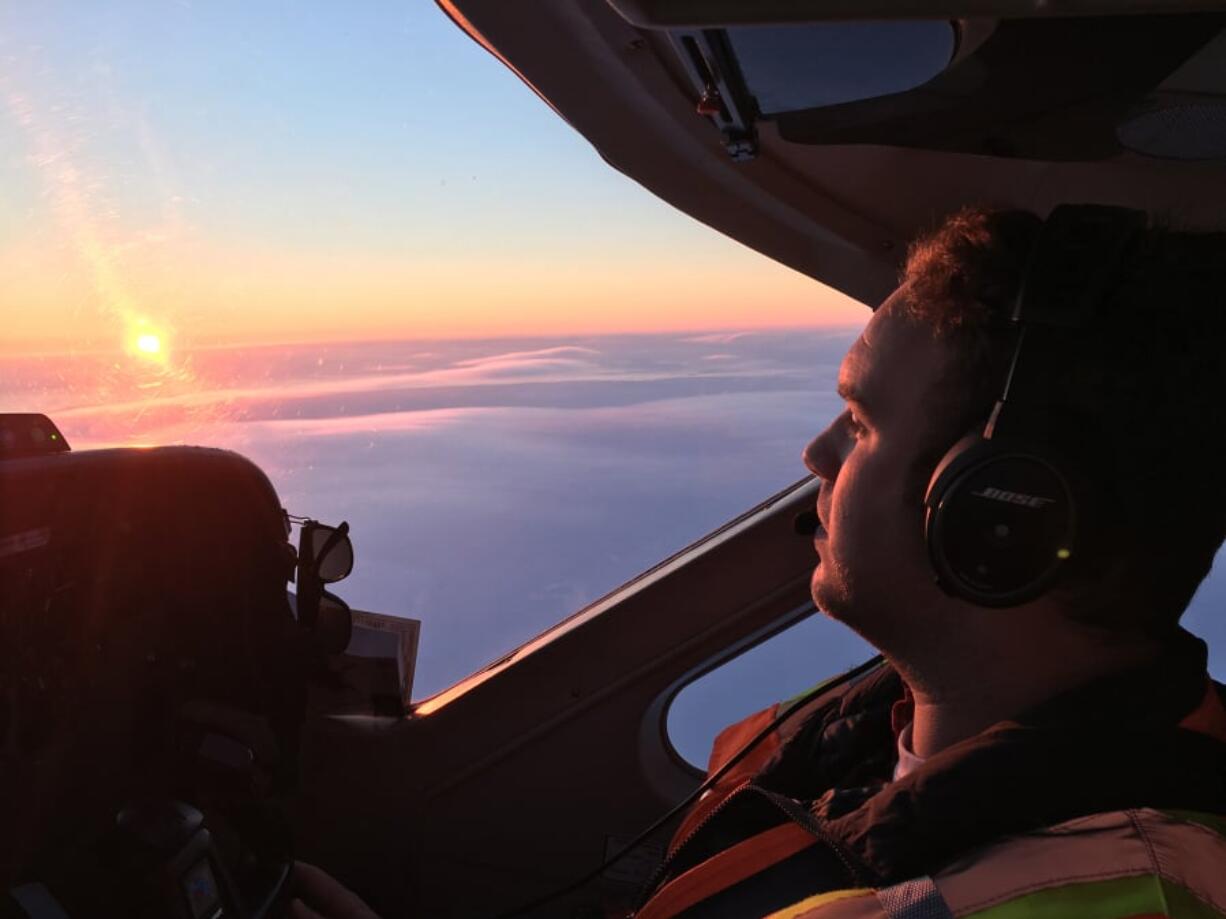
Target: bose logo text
<point x="1012" y="497"/>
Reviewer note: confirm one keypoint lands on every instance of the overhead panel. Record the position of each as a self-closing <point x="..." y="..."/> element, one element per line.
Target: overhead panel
<point x="827" y="134"/>
<point x="672" y="14"/>
<point x="897" y="83"/>
<point x="813" y="65"/>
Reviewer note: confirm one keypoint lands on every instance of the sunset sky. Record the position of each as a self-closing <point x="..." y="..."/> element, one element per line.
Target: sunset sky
<point x="343" y="240"/>
<point x="226" y="172"/>
<point x="346" y="242"/>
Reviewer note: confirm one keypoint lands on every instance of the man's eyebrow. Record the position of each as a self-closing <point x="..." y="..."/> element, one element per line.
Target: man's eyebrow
<point x="849" y="392"/>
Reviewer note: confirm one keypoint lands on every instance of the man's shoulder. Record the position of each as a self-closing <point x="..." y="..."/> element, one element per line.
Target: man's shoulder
<point x="839" y="725"/>
<point x="785" y="738"/>
<point x="1132" y="862"/>
<point x="850" y="691"/>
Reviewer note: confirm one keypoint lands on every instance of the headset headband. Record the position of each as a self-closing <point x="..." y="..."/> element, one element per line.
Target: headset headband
<point x="1008" y="507"/>
<point x="1071" y="269"/>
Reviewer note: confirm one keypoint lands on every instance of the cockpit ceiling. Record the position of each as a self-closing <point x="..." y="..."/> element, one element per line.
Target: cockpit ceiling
<point x="663" y="14"/>
<point x="1096" y="77"/>
<point x="830" y="161"/>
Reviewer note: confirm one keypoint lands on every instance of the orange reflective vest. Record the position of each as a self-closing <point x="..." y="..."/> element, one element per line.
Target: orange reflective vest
<point x="1105" y="802"/>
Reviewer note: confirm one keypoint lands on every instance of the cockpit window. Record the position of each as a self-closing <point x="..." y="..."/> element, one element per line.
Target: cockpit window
<point x="791" y="68"/>
<point x="349" y="244"/>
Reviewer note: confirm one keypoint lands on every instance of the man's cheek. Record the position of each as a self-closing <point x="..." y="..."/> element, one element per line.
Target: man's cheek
<point x="853" y="508"/>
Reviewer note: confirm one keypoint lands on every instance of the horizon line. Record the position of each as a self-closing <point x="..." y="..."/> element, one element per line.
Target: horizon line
<point x="52" y="351"/>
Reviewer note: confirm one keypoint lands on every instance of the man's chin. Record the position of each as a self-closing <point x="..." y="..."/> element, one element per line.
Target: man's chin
<point x="829" y="598"/>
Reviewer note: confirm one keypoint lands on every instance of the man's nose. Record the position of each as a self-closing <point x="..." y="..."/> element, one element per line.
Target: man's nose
<point x="822" y="457"/>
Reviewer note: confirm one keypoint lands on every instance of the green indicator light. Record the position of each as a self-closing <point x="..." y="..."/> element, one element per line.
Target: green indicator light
<point x="1063" y="553"/>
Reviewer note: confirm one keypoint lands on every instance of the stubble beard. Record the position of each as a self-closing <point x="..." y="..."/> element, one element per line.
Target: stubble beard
<point x="829" y="589"/>
<point x="862" y="609"/>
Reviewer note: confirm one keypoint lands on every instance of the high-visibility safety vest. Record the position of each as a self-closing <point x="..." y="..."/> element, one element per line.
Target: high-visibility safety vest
<point x="1130" y="864"/>
<point x="1105" y="803"/>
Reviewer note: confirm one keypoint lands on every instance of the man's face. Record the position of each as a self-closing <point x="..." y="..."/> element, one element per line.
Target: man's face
<point x="873" y="568"/>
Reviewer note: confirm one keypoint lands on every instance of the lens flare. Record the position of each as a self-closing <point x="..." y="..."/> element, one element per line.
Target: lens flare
<point x="146" y="342"/>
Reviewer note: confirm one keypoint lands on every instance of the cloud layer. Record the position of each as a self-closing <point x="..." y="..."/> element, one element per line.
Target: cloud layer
<point x="494" y="487"/>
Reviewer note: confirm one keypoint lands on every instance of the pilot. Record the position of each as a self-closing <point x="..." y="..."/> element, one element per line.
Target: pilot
<point x="1017" y="503"/>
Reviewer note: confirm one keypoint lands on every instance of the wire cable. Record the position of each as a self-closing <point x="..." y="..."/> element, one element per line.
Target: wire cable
<point x="698" y="792"/>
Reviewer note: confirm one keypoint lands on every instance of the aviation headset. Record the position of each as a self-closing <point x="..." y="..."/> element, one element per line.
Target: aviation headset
<point x="1009" y="506"/>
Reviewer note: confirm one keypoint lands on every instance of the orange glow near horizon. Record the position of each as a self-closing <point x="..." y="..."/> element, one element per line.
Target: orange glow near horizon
<point x="221" y="296"/>
<point x="90" y="273"/>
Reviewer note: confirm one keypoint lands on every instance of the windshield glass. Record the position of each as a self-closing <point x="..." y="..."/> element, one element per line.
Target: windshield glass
<point x="349" y="244"/>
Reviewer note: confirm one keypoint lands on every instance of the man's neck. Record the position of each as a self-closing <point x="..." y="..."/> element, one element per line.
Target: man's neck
<point x="960" y="701"/>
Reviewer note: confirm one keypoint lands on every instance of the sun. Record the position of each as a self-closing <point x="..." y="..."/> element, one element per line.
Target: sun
<point x="146" y="342"/>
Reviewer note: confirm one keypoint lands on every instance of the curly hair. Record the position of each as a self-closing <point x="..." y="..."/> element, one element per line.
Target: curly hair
<point x="1147" y="381"/>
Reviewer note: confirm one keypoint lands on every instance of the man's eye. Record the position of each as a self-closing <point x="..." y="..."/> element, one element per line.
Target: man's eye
<point x="856" y="426"/>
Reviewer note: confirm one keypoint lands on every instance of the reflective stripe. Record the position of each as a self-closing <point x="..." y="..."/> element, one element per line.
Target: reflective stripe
<point x="1102" y="847"/>
<point x="1188" y="854"/>
<point x="825" y="899"/>
<point x="726" y="869"/>
<point x="1095" y="848"/>
<point x="1119" y="865"/>
<point x="1124" y="898"/>
<point x="915" y="899"/>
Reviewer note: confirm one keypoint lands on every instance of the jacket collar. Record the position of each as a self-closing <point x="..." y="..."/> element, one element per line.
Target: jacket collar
<point x="1108" y="745"/>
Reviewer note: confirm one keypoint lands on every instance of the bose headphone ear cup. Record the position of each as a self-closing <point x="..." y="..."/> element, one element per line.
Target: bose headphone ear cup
<point x="951" y="465"/>
<point x="1002" y="508"/>
<point x="1000" y="522"/>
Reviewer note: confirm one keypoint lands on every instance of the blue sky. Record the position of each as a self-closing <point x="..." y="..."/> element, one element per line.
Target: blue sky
<point x="232" y="172"/>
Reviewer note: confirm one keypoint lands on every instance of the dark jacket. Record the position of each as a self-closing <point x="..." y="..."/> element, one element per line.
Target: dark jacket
<point x="1111" y="745"/>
